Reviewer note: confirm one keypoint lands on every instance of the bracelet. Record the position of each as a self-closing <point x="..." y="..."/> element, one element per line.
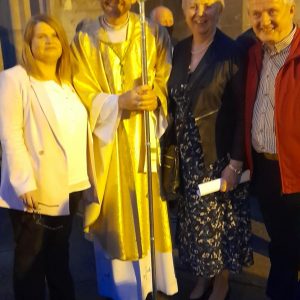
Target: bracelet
<point x="235" y="170"/>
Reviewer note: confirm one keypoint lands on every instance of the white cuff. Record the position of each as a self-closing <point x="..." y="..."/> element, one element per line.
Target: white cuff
<point x="109" y="114"/>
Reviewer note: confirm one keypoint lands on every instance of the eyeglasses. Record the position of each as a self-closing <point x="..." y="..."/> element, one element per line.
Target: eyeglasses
<point x="38" y="218"/>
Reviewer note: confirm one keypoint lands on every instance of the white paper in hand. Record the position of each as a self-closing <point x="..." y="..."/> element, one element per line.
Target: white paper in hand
<point x="215" y="185"/>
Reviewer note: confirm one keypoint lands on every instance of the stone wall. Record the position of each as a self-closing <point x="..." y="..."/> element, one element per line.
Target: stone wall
<point x="231" y="20"/>
<point x="10" y="32"/>
<point x="15" y="13"/>
<point x="180" y="28"/>
<point x="70" y="12"/>
<point x="234" y="19"/>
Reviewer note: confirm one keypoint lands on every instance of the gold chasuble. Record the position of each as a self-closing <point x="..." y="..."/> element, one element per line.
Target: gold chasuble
<point x="121" y="223"/>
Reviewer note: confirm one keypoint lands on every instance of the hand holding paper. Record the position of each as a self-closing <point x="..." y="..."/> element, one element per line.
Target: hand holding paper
<point x="215" y="185"/>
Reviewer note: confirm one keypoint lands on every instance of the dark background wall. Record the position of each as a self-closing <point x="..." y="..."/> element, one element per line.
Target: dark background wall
<point x="231" y="22"/>
<point x="15" y="13"/>
<point x="7" y="50"/>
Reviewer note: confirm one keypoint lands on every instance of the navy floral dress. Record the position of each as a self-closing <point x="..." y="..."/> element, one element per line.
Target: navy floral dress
<point x="213" y="231"/>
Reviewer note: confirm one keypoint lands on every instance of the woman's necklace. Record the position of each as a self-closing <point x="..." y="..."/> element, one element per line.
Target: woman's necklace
<point x="197" y="54"/>
<point x="199" y="50"/>
<point x="196" y="57"/>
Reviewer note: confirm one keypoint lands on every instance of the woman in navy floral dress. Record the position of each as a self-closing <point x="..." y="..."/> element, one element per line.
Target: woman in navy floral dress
<point x="206" y="102"/>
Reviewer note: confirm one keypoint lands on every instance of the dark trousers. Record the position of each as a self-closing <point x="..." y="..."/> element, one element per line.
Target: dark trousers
<point x="42" y="256"/>
<point x="281" y="214"/>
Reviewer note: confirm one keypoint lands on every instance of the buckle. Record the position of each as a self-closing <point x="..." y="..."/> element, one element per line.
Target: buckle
<point x="270" y="156"/>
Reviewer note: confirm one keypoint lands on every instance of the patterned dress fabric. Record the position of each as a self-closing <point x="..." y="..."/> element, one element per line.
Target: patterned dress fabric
<point x="213" y="231"/>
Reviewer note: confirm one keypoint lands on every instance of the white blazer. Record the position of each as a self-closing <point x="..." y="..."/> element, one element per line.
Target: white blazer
<point x="33" y="159"/>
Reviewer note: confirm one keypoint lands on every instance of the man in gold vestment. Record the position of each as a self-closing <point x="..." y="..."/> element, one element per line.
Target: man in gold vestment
<point x="108" y="80"/>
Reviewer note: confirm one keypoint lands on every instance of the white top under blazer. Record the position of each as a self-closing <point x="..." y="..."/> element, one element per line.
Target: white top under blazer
<point x="44" y="133"/>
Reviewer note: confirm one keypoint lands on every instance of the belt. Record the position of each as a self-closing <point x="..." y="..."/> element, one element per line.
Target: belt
<point x="270" y="156"/>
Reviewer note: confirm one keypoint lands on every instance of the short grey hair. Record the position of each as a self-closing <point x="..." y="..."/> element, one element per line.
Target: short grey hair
<point x="284" y="1"/>
<point x="184" y="3"/>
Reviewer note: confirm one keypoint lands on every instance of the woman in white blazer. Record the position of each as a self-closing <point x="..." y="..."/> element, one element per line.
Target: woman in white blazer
<point x="44" y="138"/>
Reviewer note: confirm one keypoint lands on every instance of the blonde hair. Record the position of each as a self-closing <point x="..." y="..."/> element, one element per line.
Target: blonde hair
<point x="63" y="67"/>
